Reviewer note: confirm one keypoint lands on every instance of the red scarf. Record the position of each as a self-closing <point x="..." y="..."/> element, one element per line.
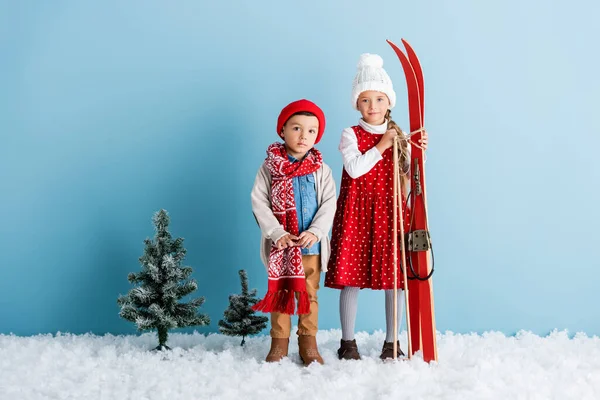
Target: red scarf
<point x="286" y="273"/>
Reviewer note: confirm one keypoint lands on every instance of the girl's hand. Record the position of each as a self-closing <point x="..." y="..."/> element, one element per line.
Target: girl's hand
<point x="424" y="140"/>
<point x="386" y="141"/>
<point x="286" y="241"/>
<point x="306" y="239"/>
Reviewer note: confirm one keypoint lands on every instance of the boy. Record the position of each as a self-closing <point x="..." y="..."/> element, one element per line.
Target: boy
<point x="293" y="201"/>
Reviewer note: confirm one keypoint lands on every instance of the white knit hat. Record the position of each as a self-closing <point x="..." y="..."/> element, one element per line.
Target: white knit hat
<point x="370" y="75"/>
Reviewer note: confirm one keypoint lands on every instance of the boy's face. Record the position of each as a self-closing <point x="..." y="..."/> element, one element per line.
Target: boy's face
<point x="373" y="106"/>
<point x="299" y="134"/>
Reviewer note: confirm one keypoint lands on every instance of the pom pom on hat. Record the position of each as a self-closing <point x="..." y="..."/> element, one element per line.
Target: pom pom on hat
<point x="370" y="60"/>
<point x="370" y="75"/>
<point x="299" y="106"/>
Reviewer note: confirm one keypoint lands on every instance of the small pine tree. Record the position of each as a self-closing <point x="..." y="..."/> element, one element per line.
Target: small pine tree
<point x="162" y="283"/>
<point x="239" y="318"/>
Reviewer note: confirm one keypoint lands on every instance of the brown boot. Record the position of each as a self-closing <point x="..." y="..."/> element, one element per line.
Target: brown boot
<point x="387" y="351"/>
<point x="348" y="350"/>
<point x="307" y="346"/>
<point x="279" y="349"/>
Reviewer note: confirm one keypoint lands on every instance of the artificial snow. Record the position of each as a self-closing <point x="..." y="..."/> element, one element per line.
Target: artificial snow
<point x="471" y="366"/>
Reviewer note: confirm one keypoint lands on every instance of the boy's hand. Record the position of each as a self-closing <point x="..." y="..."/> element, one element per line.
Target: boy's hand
<point x="306" y="239"/>
<point x="286" y="241"/>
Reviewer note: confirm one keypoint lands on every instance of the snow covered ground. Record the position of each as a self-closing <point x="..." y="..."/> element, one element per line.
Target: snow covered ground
<point x="488" y="366"/>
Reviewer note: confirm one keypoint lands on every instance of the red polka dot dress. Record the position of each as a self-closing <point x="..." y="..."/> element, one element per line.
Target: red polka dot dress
<point x="362" y="237"/>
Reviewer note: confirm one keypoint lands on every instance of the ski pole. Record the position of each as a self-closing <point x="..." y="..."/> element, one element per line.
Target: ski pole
<point x="398" y="206"/>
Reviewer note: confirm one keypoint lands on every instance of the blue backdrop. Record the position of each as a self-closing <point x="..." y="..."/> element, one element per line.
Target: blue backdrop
<point x="111" y="110"/>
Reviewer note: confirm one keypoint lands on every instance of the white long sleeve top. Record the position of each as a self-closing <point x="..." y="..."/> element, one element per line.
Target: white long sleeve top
<point x="356" y="163"/>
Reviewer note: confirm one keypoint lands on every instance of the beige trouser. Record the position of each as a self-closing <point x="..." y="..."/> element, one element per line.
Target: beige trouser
<point x="281" y="324"/>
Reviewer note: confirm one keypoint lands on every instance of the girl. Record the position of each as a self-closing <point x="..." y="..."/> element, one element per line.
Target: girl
<point x="361" y="243"/>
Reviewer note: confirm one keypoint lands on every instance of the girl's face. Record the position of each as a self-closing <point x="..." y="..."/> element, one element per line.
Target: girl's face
<point x="373" y="106"/>
<point x="299" y="134"/>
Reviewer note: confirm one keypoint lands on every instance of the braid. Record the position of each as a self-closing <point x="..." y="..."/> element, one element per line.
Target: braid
<point x="403" y="161"/>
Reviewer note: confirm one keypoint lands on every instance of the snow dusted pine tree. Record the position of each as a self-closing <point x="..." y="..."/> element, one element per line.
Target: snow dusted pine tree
<point x="240" y="318"/>
<point x="154" y="304"/>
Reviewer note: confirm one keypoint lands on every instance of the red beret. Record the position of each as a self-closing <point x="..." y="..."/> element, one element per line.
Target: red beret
<point x="299" y="106"/>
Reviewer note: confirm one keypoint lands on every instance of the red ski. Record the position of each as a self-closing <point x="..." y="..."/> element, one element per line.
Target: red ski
<point x="420" y="264"/>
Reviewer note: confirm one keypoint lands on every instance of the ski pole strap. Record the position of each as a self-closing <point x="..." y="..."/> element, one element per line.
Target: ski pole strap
<point x="409" y="135"/>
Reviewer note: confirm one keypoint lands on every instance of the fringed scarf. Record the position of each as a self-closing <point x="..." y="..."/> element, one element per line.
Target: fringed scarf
<point x="286" y="273"/>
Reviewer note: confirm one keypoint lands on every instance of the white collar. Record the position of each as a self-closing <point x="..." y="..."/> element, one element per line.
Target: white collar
<point x="379" y="129"/>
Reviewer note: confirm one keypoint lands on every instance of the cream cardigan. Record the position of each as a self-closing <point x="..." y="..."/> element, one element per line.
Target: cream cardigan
<point x="272" y="230"/>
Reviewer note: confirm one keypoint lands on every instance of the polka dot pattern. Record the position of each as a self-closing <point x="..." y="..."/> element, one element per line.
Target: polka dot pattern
<point x="362" y="240"/>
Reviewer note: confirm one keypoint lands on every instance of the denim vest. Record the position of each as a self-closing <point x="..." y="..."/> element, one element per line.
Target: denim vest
<point x="305" y="196"/>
